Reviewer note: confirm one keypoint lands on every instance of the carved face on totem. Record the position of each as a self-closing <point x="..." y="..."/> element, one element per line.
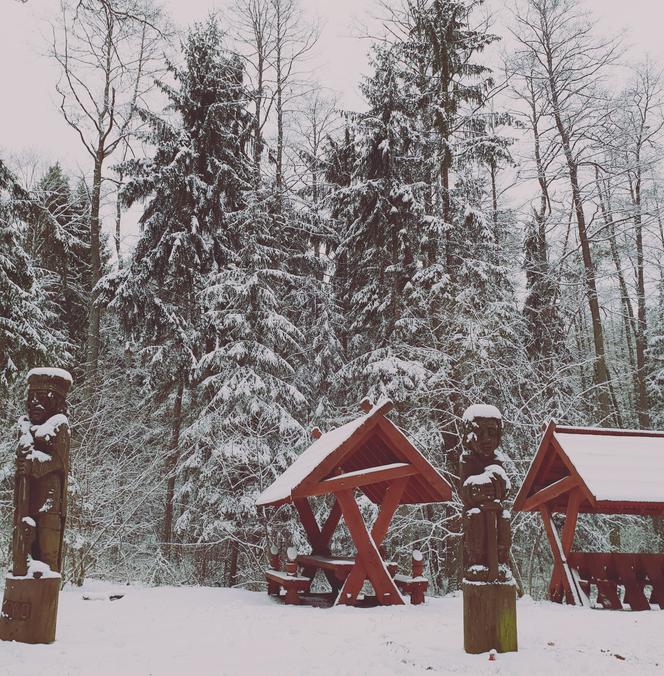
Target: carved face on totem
<point x="42" y="404"/>
<point x="483" y="435"/>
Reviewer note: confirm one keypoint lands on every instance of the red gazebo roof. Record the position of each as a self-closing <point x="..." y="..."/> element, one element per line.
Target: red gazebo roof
<point x="617" y="471"/>
<point x="368" y="453"/>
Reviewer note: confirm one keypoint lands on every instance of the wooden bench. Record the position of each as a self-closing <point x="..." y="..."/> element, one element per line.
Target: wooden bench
<point x="632" y="571"/>
<point x="293" y="584"/>
<point x="337" y="569"/>
<point x="339" y="566"/>
<point x="288" y="579"/>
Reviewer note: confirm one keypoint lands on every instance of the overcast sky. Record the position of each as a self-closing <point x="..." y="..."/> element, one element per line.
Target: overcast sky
<point x="29" y="120"/>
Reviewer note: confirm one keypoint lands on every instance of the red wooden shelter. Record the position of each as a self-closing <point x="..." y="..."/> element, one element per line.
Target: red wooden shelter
<point x="597" y="471"/>
<point x="369" y="454"/>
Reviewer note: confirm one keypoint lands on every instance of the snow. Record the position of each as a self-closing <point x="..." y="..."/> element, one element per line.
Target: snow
<point x="36" y="569"/>
<point x="625" y="468"/>
<point x="481" y="411"/>
<point x="370" y="470"/>
<point x="487" y="476"/>
<point x="330" y="560"/>
<point x="197" y="630"/>
<point x="51" y="426"/>
<point x="310" y="459"/>
<point x="51" y="373"/>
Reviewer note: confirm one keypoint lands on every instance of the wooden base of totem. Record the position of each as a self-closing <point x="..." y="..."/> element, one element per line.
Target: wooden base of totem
<point x="489" y="617"/>
<point x="30" y="609"/>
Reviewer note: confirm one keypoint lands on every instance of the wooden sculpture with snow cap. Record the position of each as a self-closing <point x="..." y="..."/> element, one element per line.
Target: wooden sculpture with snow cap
<point x="484" y="487"/>
<point x="489" y="591"/>
<point x="29" y="608"/>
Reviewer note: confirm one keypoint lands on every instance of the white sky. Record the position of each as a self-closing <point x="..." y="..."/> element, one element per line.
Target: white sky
<point x="31" y="124"/>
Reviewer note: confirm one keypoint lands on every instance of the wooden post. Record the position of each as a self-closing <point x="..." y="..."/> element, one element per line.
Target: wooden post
<point x="30" y="609"/>
<point x="489" y="617"/>
<point x="489" y="591"/>
<point x="30" y="602"/>
<point x="275" y="564"/>
<point x="292" y="597"/>
<point x="355" y="580"/>
<point x="417" y="586"/>
<point x="368" y="556"/>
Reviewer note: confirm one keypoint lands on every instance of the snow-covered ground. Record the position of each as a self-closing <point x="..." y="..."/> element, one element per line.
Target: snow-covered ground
<point x="199" y="631"/>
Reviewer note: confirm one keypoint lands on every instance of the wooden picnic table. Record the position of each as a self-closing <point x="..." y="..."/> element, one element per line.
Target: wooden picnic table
<point x="372" y="455"/>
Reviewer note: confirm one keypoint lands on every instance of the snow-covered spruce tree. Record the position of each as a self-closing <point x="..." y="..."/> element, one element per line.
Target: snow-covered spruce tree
<point x="249" y="428"/>
<point x="380" y="227"/>
<point x="28" y="326"/>
<point x="29" y="331"/>
<point x="192" y="190"/>
<point x="379" y="206"/>
<point x="460" y="309"/>
<point x="58" y="241"/>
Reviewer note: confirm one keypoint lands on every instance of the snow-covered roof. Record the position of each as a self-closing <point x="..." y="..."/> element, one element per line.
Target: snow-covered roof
<point x="617" y="467"/>
<point x="370" y="449"/>
<point x="309" y="460"/>
<point x="617" y="471"/>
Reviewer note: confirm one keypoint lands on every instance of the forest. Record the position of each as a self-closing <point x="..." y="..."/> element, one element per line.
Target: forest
<point x="486" y="229"/>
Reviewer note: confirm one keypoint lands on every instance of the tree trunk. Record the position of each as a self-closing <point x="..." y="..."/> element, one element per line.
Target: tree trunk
<point x="258" y="110"/>
<point x="232" y="564"/>
<point x="279" y="176"/>
<point x="94" y="314"/>
<point x="601" y="373"/>
<point x="171" y="464"/>
<point x="642" y="403"/>
<point x="628" y="311"/>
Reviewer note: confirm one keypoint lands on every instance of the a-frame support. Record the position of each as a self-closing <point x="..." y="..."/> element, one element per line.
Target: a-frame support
<point x="319" y="537"/>
<point x="564" y="581"/>
<point x="355" y="580"/>
<point x="369" y="563"/>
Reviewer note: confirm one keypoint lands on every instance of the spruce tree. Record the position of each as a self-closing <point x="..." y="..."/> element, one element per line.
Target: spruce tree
<point x="192" y="188"/>
<point x="58" y="240"/>
<point x="29" y="335"/>
<point x="381" y="224"/>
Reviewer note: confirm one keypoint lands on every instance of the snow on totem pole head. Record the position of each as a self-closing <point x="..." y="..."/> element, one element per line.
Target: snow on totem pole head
<point x="482" y="429"/>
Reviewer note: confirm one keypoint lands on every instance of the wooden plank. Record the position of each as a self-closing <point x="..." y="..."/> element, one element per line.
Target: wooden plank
<point x="609" y="431"/>
<point x="627" y="576"/>
<point x="388" y="507"/>
<point x="350" y="480"/>
<point x="339" y="567"/>
<point x="549" y="493"/>
<point x="367" y="554"/>
<point x="542" y="452"/>
<point x="309" y="522"/>
<point x="577" y="596"/>
<point x="355" y="580"/>
<point x="561" y="576"/>
<point x="569" y="527"/>
<point x="400" y="442"/>
<point x="356" y="439"/>
<point x="653" y="565"/>
<point x="319" y="539"/>
<point x="283" y="578"/>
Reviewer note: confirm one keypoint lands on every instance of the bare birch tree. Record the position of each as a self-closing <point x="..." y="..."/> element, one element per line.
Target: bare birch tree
<point x="105" y="50"/>
<point x="571" y="63"/>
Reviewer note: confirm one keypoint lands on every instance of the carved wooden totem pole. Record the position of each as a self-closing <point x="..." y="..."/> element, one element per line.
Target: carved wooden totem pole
<point x="489" y="591"/>
<point x="30" y="604"/>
